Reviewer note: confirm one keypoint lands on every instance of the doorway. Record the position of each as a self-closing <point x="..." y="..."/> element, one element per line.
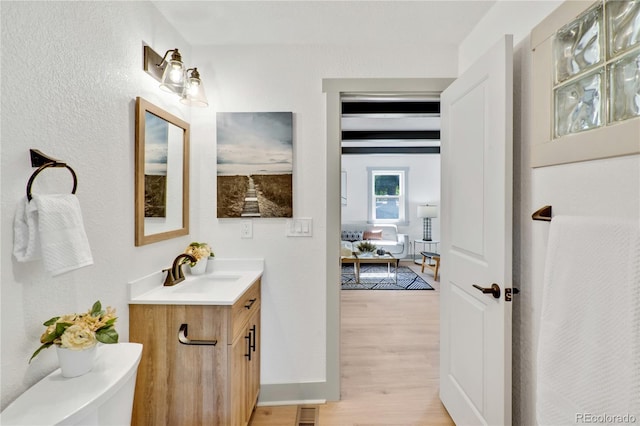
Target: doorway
<point x="334" y="88"/>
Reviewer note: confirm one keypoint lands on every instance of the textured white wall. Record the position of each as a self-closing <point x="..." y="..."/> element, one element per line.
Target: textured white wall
<point x="423" y="182"/>
<point x="70" y="74"/>
<point x="516" y="17"/>
<point x="609" y="187"/>
<point x="289" y="78"/>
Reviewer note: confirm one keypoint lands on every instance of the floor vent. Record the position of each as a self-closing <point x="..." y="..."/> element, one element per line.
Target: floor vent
<point x="307" y="415"/>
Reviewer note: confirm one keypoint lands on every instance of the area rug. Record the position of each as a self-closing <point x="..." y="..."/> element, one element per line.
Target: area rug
<point x="375" y="277"/>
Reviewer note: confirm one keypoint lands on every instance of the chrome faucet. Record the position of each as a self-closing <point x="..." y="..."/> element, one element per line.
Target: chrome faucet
<point x="175" y="274"/>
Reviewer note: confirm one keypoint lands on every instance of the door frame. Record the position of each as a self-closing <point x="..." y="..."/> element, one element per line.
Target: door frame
<point x="333" y="88"/>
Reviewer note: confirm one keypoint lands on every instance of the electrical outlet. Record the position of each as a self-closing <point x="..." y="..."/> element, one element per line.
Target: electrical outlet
<point x="246" y="229"/>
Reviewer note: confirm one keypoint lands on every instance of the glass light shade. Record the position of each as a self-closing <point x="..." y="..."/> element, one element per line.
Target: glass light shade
<point x="623" y="25"/>
<point x="193" y="94"/>
<point x="624" y="87"/>
<point x="579" y="45"/>
<point x="174" y="76"/>
<point x="579" y="105"/>
<point x="428" y="211"/>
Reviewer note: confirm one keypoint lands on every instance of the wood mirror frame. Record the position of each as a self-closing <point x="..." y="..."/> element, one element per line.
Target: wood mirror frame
<point x="170" y="217"/>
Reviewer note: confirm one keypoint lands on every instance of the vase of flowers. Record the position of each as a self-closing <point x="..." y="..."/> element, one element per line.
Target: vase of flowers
<point x="202" y="252"/>
<point x="76" y="337"/>
<point x="210" y="262"/>
<point x="76" y="363"/>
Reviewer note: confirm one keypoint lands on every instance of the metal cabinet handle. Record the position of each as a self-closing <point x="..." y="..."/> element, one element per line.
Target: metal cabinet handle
<point x="248" y="339"/>
<point x="253" y="338"/>
<point x="182" y="338"/>
<point x="250" y="303"/>
<point x="494" y="290"/>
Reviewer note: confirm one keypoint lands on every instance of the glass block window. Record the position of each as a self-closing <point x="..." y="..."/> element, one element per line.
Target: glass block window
<point x="624" y="84"/>
<point x="578" y="104"/>
<point x="623" y="23"/>
<point x="596" y="60"/>
<point x="578" y="46"/>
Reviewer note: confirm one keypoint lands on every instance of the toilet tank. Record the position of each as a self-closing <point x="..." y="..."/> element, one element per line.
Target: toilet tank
<point x="103" y="396"/>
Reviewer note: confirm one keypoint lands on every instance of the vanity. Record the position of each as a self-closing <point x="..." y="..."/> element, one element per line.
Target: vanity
<point x="201" y="359"/>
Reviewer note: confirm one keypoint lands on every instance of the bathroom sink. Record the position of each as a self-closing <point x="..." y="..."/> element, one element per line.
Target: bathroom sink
<point x="204" y="283"/>
<point x="218" y="278"/>
<point x="229" y="279"/>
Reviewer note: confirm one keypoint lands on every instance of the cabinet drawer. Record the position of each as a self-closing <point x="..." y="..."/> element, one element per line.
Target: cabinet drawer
<point x="248" y="303"/>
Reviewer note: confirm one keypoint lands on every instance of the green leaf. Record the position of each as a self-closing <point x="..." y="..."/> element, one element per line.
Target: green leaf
<point x="96" y="309"/>
<point x="49" y="338"/>
<point x="109" y="323"/>
<point x="51" y="321"/>
<point x="61" y="327"/>
<point x="109" y="335"/>
<point x="44" y="346"/>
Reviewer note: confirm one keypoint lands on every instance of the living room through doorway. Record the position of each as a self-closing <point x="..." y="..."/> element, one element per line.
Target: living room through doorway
<point x="409" y="336"/>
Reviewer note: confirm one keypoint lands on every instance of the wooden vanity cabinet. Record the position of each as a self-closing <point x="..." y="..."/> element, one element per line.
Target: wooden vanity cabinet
<point x="245" y="363"/>
<point x="244" y="356"/>
<point x="197" y="384"/>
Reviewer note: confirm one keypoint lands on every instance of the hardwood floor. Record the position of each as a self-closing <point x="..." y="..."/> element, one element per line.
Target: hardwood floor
<point x="389" y="359"/>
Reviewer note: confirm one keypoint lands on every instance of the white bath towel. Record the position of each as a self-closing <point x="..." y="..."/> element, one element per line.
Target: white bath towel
<point x="51" y="227"/>
<point x="588" y="365"/>
<point x="26" y="240"/>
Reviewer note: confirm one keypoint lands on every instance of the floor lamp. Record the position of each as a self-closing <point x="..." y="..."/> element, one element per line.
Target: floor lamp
<point x="427" y="212"/>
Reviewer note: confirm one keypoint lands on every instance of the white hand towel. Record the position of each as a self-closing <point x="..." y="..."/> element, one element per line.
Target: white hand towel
<point x="589" y="343"/>
<point x="56" y="220"/>
<point x="26" y="241"/>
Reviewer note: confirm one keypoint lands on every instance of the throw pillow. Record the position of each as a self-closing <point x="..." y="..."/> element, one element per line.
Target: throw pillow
<point x="351" y="236"/>
<point x="373" y="234"/>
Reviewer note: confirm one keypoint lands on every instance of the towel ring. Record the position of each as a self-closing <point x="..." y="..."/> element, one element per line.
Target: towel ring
<point x="46" y="165"/>
<point x="543" y="213"/>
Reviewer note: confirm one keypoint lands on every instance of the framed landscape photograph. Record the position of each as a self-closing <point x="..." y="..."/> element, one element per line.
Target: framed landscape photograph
<point x="254" y="164"/>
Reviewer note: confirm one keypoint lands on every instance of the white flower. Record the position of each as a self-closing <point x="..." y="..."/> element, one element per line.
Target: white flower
<point x="198" y="250"/>
<point x="80" y="331"/>
<point x="78" y="337"/>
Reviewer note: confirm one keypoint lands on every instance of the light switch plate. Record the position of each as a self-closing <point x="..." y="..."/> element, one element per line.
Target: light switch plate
<point x="299" y="227"/>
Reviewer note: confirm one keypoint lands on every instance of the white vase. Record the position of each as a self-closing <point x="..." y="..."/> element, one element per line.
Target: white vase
<point x="210" y="264"/>
<point x="76" y="363"/>
<point x="200" y="267"/>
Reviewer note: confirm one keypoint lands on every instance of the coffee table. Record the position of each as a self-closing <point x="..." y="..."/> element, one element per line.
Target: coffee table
<point x="359" y="258"/>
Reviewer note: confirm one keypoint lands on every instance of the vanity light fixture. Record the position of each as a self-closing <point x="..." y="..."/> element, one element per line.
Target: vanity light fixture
<point x="174" y="77"/>
<point x="174" y="74"/>
<point x="193" y="93"/>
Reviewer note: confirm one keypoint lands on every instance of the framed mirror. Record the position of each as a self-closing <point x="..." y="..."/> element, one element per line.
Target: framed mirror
<point x="162" y="175"/>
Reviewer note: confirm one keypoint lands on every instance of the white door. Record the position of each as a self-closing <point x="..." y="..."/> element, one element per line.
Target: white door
<point x="476" y="206"/>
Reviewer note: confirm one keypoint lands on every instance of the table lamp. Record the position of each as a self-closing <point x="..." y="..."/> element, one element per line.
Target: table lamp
<point x="426" y="212"/>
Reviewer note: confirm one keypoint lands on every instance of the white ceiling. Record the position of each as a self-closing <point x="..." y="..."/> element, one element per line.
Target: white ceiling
<point x="324" y="22"/>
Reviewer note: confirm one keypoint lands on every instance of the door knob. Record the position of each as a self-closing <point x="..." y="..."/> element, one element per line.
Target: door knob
<point x="494" y="290"/>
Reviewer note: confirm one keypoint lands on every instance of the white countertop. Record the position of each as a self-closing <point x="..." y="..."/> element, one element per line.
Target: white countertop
<point x="227" y="280"/>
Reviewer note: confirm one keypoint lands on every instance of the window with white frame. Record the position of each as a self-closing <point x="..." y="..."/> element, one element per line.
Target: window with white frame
<point x="387" y="195"/>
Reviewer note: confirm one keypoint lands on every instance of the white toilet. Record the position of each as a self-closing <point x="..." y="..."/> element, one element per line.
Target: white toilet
<point x="103" y="396"/>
